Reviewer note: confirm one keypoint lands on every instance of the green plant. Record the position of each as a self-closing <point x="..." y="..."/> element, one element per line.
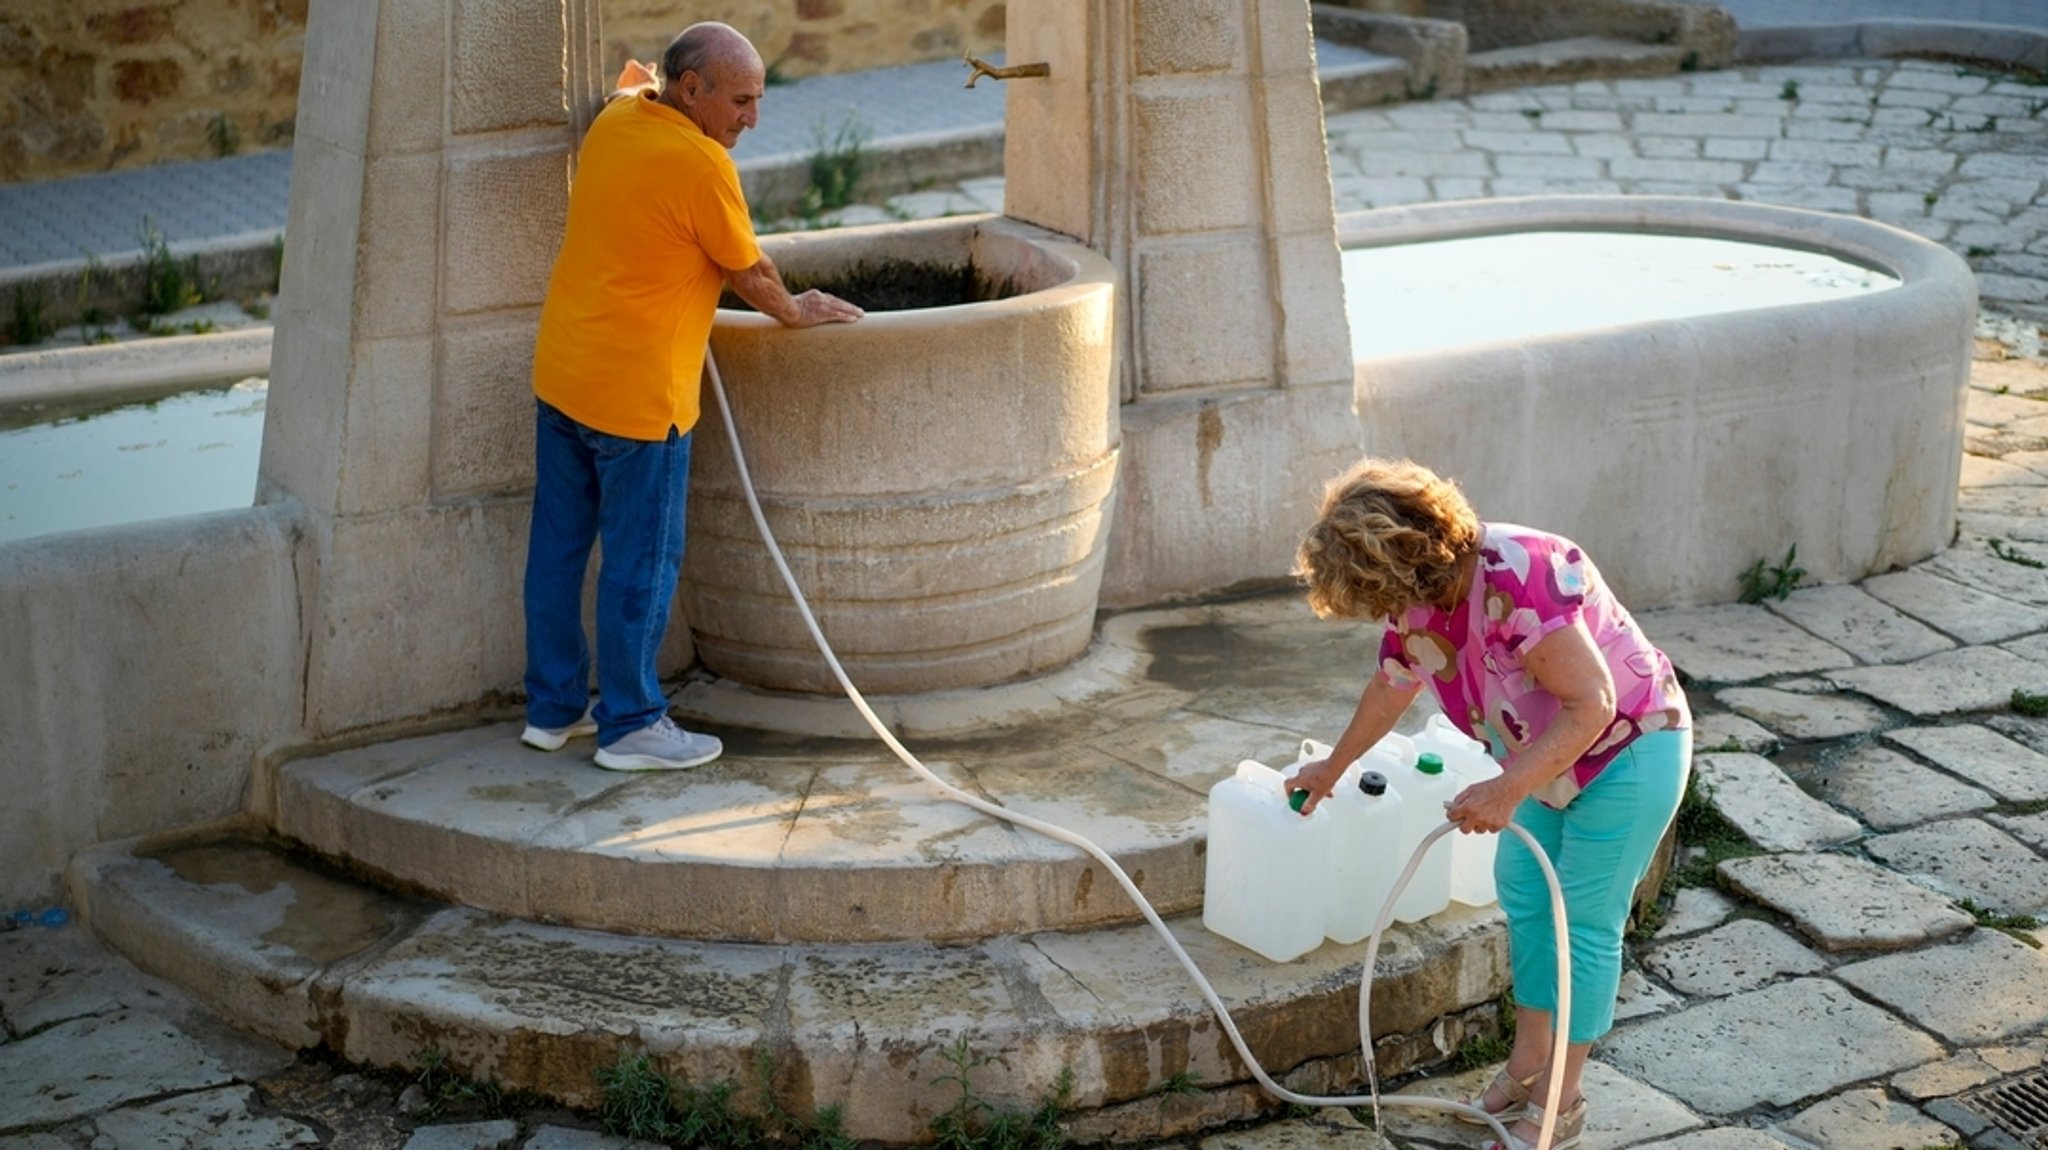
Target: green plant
<point x="1931" y="199"/>
<point x="168" y="283"/>
<point x="2011" y="924"/>
<point x="2029" y="704"/>
<point x="223" y="135"/>
<point x="973" y="1123"/>
<point x="1425" y="92"/>
<point x="774" y="76"/>
<point x="1976" y="252"/>
<point x="2013" y="554"/>
<point x="1532" y="114"/>
<point x="446" y="1087"/>
<point x="1764" y="581"/>
<point x="1181" y="1083"/>
<point x="836" y="167"/>
<point x="1728" y="746"/>
<point x="1988" y="124"/>
<point x="1690" y="62"/>
<point x="1790" y="91"/>
<point x="29" y="325"/>
<point x="1702" y="825"/>
<point x="256" y="309"/>
<point x="636" y="1099"/>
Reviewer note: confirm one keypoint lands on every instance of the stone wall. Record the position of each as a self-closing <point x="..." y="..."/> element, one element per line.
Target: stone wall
<point x="87" y="85"/>
<point x="91" y="85"/>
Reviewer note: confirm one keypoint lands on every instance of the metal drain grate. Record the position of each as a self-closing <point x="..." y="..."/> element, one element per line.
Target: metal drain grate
<point x="2018" y="1106"/>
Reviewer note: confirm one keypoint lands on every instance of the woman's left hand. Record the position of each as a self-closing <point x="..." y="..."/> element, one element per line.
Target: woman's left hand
<point x="1484" y="808"/>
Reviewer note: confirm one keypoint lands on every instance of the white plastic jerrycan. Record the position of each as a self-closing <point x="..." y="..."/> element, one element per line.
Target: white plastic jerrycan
<point x="1471" y="855"/>
<point x="1263" y="885"/>
<point x="1365" y="852"/>
<point x="1425" y="790"/>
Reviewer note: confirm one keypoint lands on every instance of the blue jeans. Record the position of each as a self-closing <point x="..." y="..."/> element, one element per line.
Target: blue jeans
<point x="629" y="492"/>
<point x="1600" y="844"/>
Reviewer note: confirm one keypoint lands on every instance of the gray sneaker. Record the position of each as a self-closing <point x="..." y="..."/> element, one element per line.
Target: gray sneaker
<point x="661" y="747"/>
<point x="555" y="738"/>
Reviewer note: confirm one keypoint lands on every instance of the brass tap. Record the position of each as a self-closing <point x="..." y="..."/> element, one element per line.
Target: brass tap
<point x="1012" y="72"/>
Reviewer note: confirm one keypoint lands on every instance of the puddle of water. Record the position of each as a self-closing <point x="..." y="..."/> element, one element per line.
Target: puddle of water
<point x="1450" y="293"/>
<point x="187" y="453"/>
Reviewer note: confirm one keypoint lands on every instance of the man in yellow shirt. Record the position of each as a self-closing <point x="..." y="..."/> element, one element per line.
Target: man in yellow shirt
<point x="658" y="226"/>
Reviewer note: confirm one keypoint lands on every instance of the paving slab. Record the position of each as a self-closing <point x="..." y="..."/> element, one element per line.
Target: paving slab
<point x="1867" y="1120"/>
<point x="1739" y="956"/>
<point x="1620" y="1111"/>
<point x="1969" y="679"/>
<point x="1694" y="909"/>
<point x="1719" y="1138"/>
<point x="494" y="1135"/>
<point x="1972" y="564"/>
<point x="82" y="1067"/>
<point x="1802" y="717"/>
<point x="1963" y="1070"/>
<point x="2010" y="770"/>
<point x="1969" y="858"/>
<point x="1862" y="624"/>
<point x="1727" y="731"/>
<point x="1983" y="988"/>
<point x="1736" y="643"/>
<point x="215" y="1119"/>
<point x="1637" y="996"/>
<point x="52" y="976"/>
<point x="1767" y="806"/>
<point x="1888" y="790"/>
<point x="2029" y="829"/>
<point x="1798" y="1040"/>
<point x="1845" y="903"/>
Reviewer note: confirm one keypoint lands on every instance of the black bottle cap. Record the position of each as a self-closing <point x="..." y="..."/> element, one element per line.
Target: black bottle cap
<point x="1373" y="783"/>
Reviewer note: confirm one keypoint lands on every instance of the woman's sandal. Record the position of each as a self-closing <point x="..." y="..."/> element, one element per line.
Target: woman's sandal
<point x="1516" y="1090"/>
<point x="1571" y="1126"/>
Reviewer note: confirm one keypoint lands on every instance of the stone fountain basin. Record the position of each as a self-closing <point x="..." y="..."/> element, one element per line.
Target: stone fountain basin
<point x="1681" y="451"/>
<point x="938" y="477"/>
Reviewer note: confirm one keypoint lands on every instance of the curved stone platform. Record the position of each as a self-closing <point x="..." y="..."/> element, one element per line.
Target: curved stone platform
<point x="811" y="834"/>
<point x="294" y="953"/>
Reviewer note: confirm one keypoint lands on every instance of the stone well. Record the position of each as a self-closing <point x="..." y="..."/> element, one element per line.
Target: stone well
<point x="938" y="477"/>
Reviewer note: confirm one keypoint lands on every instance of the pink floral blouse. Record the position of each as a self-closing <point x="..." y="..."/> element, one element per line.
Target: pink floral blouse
<point x="1530" y="584"/>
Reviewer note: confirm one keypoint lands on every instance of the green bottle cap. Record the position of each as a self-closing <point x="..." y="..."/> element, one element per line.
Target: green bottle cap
<point x="1296" y="798"/>
<point x="1430" y="763"/>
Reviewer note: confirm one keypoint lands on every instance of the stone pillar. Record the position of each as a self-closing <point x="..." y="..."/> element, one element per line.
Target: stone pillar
<point x="429" y="190"/>
<point x="1184" y="140"/>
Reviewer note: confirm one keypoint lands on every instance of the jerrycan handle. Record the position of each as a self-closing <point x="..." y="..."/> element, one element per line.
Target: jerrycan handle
<point x="1310" y="749"/>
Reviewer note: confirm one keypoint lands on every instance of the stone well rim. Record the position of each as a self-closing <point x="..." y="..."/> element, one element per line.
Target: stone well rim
<point x="1078" y="270"/>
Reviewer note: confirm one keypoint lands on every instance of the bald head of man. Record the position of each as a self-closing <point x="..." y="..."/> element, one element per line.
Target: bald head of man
<point x="713" y="76"/>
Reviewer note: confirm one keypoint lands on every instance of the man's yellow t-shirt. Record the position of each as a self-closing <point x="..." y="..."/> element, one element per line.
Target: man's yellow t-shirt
<point x="656" y="216"/>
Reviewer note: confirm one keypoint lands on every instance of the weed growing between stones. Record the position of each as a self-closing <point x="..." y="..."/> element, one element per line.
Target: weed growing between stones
<point x="1705" y="832"/>
<point x="974" y="1123"/>
<point x="30" y="325"/>
<point x="223" y="135"/>
<point x="1790" y="91"/>
<point x="642" y="1103"/>
<point x="2013" y="554"/>
<point x="2029" y="704"/>
<point x="2015" y="925"/>
<point x="168" y="283"/>
<point x="448" y="1089"/>
<point x="836" y="168"/>
<point x="1484" y="1050"/>
<point x="1764" y="581"/>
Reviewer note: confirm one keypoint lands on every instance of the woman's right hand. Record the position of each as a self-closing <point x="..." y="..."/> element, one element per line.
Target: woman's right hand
<point x="1318" y="777"/>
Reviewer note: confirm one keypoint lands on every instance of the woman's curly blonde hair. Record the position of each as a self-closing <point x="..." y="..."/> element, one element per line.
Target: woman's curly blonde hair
<point x="1389" y="535"/>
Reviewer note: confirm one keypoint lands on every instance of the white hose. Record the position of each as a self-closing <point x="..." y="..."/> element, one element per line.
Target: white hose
<point x="1208" y="992"/>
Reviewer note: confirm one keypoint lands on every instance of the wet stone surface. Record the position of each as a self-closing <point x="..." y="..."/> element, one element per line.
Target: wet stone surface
<point x="1802" y="717"/>
<point x="2009" y="770"/>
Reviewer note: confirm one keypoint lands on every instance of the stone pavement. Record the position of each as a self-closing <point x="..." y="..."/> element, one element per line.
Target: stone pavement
<point x="1845" y="969"/>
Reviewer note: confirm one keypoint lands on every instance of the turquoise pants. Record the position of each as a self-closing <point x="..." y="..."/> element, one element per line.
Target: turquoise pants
<point x="1600" y="845"/>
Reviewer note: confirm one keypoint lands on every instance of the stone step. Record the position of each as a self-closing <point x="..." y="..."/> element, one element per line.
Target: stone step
<point x="283" y="947"/>
<point x="808" y="830"/>
<point x="1569" y="61"/>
